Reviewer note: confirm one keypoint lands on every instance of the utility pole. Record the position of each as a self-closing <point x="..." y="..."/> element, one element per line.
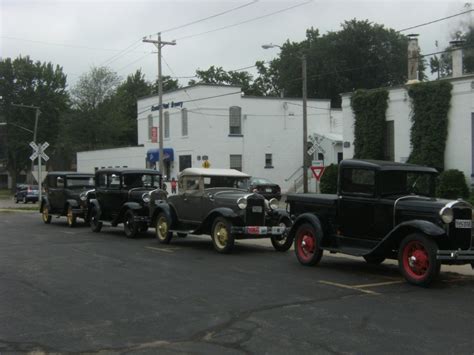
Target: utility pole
<point x="305" y="125"/>
<point x="159" y="44"/>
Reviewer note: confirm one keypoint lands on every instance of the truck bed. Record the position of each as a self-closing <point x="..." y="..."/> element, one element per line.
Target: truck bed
<point x="319" y="199"/>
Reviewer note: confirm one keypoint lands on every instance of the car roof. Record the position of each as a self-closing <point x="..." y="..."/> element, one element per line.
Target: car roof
<point x="69" y="173"/>
<point x="213" y="172"/>
<point x="384" y="165"/>
<point x="128" y="171"/>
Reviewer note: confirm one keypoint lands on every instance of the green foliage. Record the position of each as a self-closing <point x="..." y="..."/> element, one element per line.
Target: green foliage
<point x="430" y="106"/>
<point x="328" y="184"/>
<point x="369" y="127"/>
<point x="31" y="83"/>
<point x="452" y="185"/>
<point x="362" y="55"/>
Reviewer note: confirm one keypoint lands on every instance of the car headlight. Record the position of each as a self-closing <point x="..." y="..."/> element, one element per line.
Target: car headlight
<point x="146" y="197"/>
<point x="242" y="203"/>
<point x="446" y="214"/>
<point x="83" y="196"/>
<point x="274" y="204"/>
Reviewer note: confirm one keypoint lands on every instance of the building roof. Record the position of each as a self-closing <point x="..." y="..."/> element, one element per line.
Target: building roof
<point x="386" y="165"/>
<point x="187" y="87"/>
<point x="213" y="172"/>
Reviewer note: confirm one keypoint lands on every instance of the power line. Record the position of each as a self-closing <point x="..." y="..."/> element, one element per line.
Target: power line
<point x="434" y="21"/>
<point x="209" y="17"/>
<point x="121" y="53"/>
<point x="243" y="22"/>
<point x="136" y="60"/>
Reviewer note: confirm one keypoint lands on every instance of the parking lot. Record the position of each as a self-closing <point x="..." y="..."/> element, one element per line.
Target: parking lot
<point x="70" y="290"/>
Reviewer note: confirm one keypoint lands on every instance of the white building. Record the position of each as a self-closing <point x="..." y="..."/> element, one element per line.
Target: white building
<point x="459" y="153"/>
<point x="261" y="136"/>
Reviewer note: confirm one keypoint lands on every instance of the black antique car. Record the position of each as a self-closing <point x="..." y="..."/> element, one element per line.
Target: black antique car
<point x="384" y="210"/>
<point x="265" y="187"/>
<point x="66" y="194"/>
<point x="123" y="196"/>
<point x="215" y="202"/>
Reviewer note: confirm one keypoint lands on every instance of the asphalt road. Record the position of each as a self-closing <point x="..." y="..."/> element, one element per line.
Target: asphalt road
<point x="70" y="290"/>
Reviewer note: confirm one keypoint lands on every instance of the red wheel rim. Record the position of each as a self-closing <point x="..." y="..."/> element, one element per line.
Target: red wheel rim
<point x="306" y="244"/>
<point x="416" y="260"/>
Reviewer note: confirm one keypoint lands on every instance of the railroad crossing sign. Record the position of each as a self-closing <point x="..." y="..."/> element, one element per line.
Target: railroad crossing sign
<point x="38" y="150"/>
<point x="316" y="139"/>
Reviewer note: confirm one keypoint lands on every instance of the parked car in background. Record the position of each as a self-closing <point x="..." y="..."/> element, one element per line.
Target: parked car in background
<point x="216" y="202"/>
<point x="384" y="210"/>
<point x="66" y="194"/>
<point x="26" y="193"/>
<point x="122" y="195"/>
<point x="264" y="187"/>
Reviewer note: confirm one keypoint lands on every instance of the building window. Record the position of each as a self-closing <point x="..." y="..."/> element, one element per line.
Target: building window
<point x="339" y="157"/>
<point x="167" y="124"/>
<point x="389" y="151"/>
<point x="184" y="162"/>
<point x="321" y="157"/>
<point x="184" y="122"/>
<point x="235" y="120"/>
<point x="150" y="126"/>
<point x="268" y="161"/>
<point x="236" y="162"/>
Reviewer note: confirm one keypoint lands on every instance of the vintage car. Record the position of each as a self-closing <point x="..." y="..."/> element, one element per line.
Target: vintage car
<point x="122" y="195"/>
<point x="384" y="210"/>
<point x="26" y="193"/>
<point x="265" y="187"/>
<point x="215" y="202"/>
<point x="66" y="194"/>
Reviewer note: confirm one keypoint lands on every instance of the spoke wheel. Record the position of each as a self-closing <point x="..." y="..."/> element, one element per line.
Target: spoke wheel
<point x="162" y="229"/>
<point x="95" y="223"/>
<point x="45" y="215"/>
<point x="70" y="217"/>
<point x="222" y="239"/>
<point x="307" y="249"/>
<point x="130" y="226"/>
<point x="417" y="259"/>
<point x="286" y="240"/>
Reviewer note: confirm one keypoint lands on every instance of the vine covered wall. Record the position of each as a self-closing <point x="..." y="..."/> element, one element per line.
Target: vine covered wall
<point x="369" y="107"/>
<point x="430" y="105"/>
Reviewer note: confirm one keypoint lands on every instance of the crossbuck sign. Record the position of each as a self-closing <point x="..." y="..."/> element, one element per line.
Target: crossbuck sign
<point x="38" y="150"/>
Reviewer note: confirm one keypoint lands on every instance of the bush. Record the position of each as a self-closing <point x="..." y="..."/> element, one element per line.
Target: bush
<point x="328" y="183"/>
<point x="452" y="185"/>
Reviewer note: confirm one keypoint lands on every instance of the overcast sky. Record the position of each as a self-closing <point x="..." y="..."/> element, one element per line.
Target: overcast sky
<point x="79" y="34"/>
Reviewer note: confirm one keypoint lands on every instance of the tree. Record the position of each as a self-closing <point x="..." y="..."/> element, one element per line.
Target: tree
<point x="169" y="84"/>
<point x="31" y="83"/>
<point x="362" y="55"/>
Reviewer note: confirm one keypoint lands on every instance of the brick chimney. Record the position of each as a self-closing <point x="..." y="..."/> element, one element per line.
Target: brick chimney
<point x="456" y="55"/>
<point x="413" y="53"/>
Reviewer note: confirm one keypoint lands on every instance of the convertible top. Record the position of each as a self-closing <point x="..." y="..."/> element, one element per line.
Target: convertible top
<point x="213" y="172"/>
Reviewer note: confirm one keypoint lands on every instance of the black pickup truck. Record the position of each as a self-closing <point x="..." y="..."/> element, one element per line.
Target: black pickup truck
<point x="384" y="210"/>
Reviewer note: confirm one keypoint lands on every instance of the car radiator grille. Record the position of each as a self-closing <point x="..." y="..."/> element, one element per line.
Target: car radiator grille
<point x="255" y="212"/>
<point x="461" y="236"/>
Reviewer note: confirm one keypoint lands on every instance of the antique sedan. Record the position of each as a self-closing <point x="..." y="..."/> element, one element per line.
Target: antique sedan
<point x="384" y="210"/>
<point x="265" y="187"/>
<point x="215" y="202"/>
<point x="66" y="194"/>
<point x="123" y="196"/>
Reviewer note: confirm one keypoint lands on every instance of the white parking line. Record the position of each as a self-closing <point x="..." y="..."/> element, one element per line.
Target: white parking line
<point x="349" y="287"/>
<point x="166" y="250"/>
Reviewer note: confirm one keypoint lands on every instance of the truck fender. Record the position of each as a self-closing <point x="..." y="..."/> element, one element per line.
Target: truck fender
<point x="44" y="202"/>
<point x="94" y="203"/>
<point x="206" y="224"/>
<point x="311" y="219"/>
<point x="393" y="239"/>
<point x="162" y="207"/>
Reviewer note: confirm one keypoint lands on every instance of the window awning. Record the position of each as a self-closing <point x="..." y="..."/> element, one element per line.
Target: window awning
<point x="153" y="154"/>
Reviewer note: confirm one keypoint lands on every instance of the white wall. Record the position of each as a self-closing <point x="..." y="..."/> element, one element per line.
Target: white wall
<point x="458" y="153"/>
<point x="132" y="157"/>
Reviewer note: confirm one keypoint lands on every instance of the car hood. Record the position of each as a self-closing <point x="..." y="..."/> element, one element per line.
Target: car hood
<point x="226" y="194"/>
<point x="425" y="204"/>
<point x="137" y="193"/>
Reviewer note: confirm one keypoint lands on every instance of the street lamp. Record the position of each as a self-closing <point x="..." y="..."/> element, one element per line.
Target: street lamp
<point x="305" y="114"/>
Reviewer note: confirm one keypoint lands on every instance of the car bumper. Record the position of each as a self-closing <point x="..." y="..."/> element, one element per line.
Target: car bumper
<point x="456" y="256"/>
<point x="258" y="231"/>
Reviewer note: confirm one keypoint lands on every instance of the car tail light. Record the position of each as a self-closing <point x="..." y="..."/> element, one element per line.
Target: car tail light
<point x="29" y="189"/>
<point x="252" y="230"/>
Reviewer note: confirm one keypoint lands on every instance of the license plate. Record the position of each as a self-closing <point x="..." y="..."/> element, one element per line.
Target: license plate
<point x="463" y="223"/>
<point x="257" y="209"/>
<point x="278" y="230"/>
<point x="269" y="190"/>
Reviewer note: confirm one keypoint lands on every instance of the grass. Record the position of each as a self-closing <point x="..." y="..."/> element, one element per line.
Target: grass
<point x="5" y="194"/>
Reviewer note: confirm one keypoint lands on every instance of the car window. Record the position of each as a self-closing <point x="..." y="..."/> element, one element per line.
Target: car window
<point x="60" y="181"/>
<point x="225" y="181"/>
<point x="80" y="182"/>
<point x="260" y="181"/>
<point x="191" y="183"/>
<point x="114" y="181"/>
<point x="102" y="181"/>
<point x="358" y="181"/>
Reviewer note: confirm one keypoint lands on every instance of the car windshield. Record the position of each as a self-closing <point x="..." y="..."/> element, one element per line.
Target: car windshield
<point x="407" y="182"/>
<point x="141" y="180"/>
<point x="260" y="181"/>
<point x="83" y="181"/>
<point x="225" y="181"/>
